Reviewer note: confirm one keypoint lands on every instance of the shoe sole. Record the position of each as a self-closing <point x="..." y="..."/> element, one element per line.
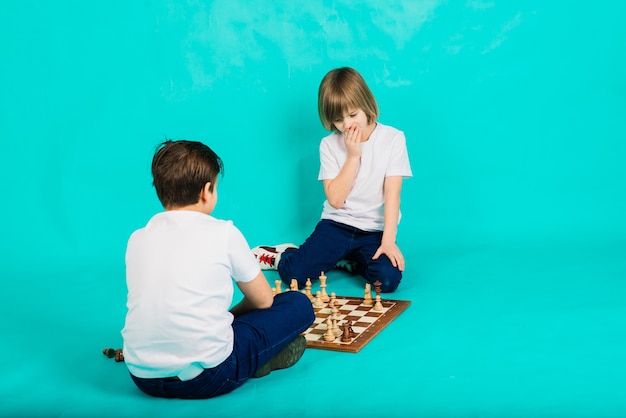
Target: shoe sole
<point x="285" y="358"/>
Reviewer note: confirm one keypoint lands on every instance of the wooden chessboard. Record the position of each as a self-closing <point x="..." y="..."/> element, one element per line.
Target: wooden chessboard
<point x="366" y="322"/>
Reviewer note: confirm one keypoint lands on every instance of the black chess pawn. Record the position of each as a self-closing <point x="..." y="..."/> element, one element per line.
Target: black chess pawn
<point x="350" y="330"/>
<point x="346" y="338"/>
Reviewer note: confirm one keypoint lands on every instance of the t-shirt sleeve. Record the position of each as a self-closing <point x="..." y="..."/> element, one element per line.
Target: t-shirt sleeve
<point x="243" y="265"/>
<point x="329" y="166"/>
<point x="399" y="164"/>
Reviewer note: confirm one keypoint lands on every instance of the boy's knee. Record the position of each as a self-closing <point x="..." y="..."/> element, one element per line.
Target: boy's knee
<point x="297" y="303"/>
<point x="291" y="298"/>
<point x="389" y="284"/>
<point x="388" y="275"/>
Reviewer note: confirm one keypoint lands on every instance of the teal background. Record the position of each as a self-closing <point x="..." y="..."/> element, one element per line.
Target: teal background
<point x="513" y="229"/>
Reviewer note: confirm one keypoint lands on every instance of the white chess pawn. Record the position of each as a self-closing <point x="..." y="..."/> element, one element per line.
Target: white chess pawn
<point x="294" y="285"/>
<point x="278" y="289"/>
<point x="330" y="334"/>
<point x="333" y="297"/>
<point x="367" y="299"/>
<point x="378" y="306"/>
<point x="317" y="301"/>
<point x="336" y="329"/>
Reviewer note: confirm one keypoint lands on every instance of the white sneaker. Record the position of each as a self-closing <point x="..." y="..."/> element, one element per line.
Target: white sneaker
<point x="282" y="247"/>
<point x="269" y="256"/>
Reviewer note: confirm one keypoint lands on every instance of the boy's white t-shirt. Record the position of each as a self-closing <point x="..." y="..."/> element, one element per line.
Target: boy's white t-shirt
<point x="179" y="272"/>
<point x="384" y="154"/>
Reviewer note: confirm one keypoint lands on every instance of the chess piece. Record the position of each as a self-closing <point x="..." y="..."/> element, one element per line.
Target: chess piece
<point x="329" y="335"/>
<point x="345" y="338"/>
<point x="367" y="298"/>
<point x="377" y="285"/>
<point x="294" y="285"/>
<point x="322" y="279"/>
<point x="350" y="330"/>
<point x="336" y="330"/>
<point x="317" y="301"/>
<point x="278" y="289"/>
<point x="378" y="306"/>
<point x="308" y="286"/>
<point x="325" y="297"/>
<point x="109" y="352"/>
<point x="112" y="353"/>
<point x="333" y="298"/>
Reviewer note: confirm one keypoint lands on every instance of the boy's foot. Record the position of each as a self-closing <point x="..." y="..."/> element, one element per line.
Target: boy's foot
<point x="346" y="265"/>
<point x="286" y="357"/>
<point x="269" y="256"/>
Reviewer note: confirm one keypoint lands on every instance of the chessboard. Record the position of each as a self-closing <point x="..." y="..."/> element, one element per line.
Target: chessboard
<point x="366" y="323"/>
<point x="344" y="323"/>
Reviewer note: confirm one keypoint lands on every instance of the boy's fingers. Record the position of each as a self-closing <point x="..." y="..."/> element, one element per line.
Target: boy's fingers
<point x="399" y="261"/>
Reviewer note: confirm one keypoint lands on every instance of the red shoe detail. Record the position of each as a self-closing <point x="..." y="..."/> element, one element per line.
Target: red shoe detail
<point x="267" y="259"/>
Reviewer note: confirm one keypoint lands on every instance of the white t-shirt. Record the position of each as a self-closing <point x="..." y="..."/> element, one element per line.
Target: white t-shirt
<point x="383" y="155"/>
<point x="179" y="272"/>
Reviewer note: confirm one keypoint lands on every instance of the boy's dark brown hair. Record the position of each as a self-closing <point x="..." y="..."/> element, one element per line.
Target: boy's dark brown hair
<point x="180" y="169"/>
<point x="341" y="90"/>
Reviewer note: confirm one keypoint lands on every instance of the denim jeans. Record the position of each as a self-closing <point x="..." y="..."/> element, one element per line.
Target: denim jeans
<point x="259" y="335"/>
<point x="333" y="241"/>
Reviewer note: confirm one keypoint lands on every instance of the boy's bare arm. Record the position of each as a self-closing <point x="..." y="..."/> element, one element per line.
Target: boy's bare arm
<point x="392" y="188"/>
<point x="337" y="189"/>
<point x="257" y="294"/>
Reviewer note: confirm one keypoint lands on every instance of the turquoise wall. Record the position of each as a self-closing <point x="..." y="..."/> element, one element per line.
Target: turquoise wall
<point x="514" y="114"/>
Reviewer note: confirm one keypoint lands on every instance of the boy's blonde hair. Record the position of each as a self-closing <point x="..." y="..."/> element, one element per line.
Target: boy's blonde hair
<point x="341" y="90"/>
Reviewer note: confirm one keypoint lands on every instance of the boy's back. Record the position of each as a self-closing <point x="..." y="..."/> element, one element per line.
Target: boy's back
<point x="179" y="270"/>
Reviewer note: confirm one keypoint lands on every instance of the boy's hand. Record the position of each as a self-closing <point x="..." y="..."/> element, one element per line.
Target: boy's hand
<point x="352" y="139"/>
<point x="392" y="251"/>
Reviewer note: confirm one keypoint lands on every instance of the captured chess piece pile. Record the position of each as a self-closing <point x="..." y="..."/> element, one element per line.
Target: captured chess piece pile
<point x="113" y="353"/>
<point x="334" y="329"/>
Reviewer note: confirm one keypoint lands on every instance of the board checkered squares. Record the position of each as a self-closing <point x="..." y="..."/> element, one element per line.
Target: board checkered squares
<point x="366" y="322"/>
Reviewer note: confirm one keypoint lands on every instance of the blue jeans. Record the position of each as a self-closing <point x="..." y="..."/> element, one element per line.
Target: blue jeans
<point x="333" y="241"/>
<point x="259" y="335"/>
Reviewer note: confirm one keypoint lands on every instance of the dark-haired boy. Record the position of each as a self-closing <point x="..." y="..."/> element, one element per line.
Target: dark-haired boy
<point x="181" y="338"/>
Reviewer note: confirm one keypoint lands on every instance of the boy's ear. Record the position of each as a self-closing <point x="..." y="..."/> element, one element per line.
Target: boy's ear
<point x="206" y="191"/>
